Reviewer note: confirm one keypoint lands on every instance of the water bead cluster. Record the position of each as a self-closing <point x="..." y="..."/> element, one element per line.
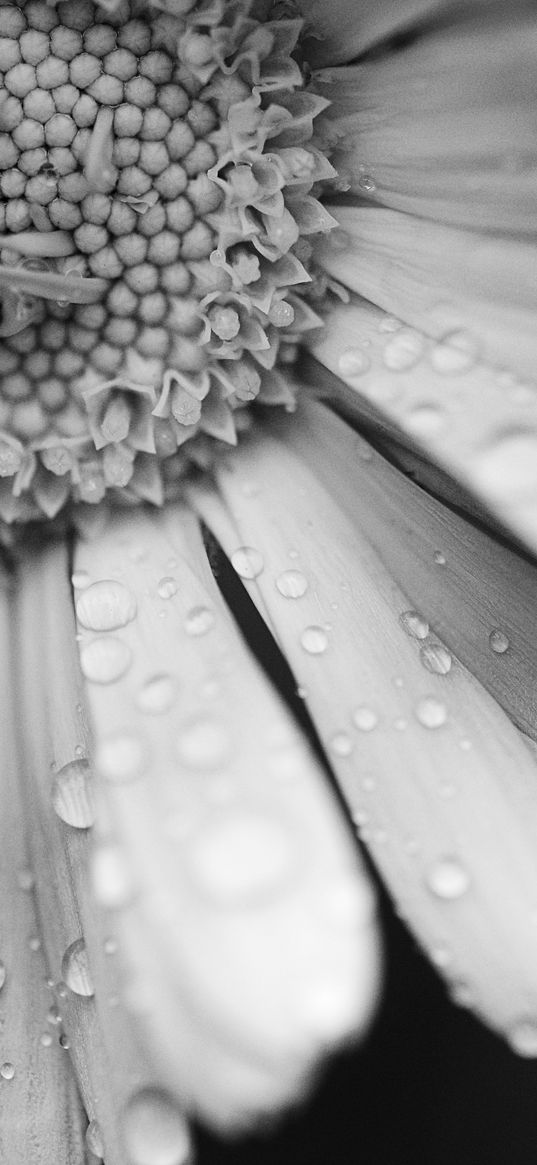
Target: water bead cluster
<point x="158" y="174"/>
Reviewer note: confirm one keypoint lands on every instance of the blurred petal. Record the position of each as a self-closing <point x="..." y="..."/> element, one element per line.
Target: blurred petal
<point x="477" y="422"/>
<point x="40" y="1103"/>
<point x="440" y="279"/>
<point x="245" y="923"/>
<point x="437" y="777"/>
<point x="445" y="128"/>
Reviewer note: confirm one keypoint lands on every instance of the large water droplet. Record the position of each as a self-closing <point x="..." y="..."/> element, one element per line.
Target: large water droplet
<point x="448" y="879"/>
<point x="436" y="658"/>
<point x="523" y="1038"/>
<point x="314" y="640"/>
<point x="75" y="969"/>
<point x="157" y="694"/>
<point x="365" y="719"/>
<point x="154" y="1130"/>
<point x="106" y="605"/>
<point x="247" y="562"/>
<point x="72" y="794"/>
<point x="203" y="744"/>
<point x="241" y="856"/>
<point x="430" y="712"/>
<point x="456" y="352"/>
<point x="7" y="1071"/>
<point x="105" y="659"/>
<point x="292" y="584"/>
<point x="353" y="362"/>
<point x="498" y="641"/>
<point x="199" y="621"/>
<point x="414" y="624"/>
<point x="404" y="350"/>
<point x="167" y="587"/>
<point x="121" y="758"/>
<point x="94" y="1139"/>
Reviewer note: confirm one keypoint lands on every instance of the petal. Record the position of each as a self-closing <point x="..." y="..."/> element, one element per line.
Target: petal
<point x="40" y="1104"/>
<point x="435" y="393"/>
<point x="246" y="926"/>
<point x="445" y="128"/>
<point x="436" y="775"/>
<point x="440" y="279"/>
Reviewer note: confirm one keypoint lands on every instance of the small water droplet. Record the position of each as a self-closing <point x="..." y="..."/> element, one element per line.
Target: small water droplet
<point x="462" y="995"/>
<point x="436" y="658"/>
<point x="498" y="641"/>
<point x="80" y="579"/>
<point x="456" y="352"/>
<point x="523" y="1038"/>
<point x="353" y="362"/>
<point x="75" y="969"/>
<point x="7" y="1071"/>
<point x="72" y="794"/>
<point x="314" y="640"/>
<point x="341" y="744"/>
<point x="45" y="1040"/>
<point x="53" y="1015"/>
<point x="110" y="946"/>
<point x="404" y="350"/>
<point x="199" y="621"/>
<point x="414" y="624"/>
<point x="157" y="694"/>
<point x="465" y="744"/>
<point x="25" y="878"/>
<point x="369" y="783"/>
<point x="105" y="659"/>
<point x="154" y="1130"/>
<point x="64" y="1042"/>
<point x="448" y="879"/>
<point x="400" y="723"/>
<point x="389" y="324"/>
<point x="34" y="943"/>
<point x="3" y="974"/>
<point x="292" y="584"/>
<point x="106" y="605"/>
<point x="167" y="587"/>
<point x="367" y="183"/>
<point x="302" y="692"/>
<point x="424" y="420"/>
<point x="247" y="562"/>
<point x="430" y="712"/>
<point x="203" y="744"/>
<point x="440" y="956"/>
<point x="94" y="1139"/>
<point x="112" y="883"/>
<point x="240" y="857"/>
<point x="121" y="758"/>
<point x="439" y="558"/>
<point x="365" y="718"/>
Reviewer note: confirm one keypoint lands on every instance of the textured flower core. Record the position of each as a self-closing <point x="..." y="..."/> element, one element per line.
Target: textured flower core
<point x="158" y="175"/>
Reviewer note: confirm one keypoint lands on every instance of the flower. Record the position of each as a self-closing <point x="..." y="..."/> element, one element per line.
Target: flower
<point x="209" y="209"/>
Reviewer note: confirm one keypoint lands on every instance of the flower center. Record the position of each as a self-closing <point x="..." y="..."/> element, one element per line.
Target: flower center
<point x="156" y="172"/>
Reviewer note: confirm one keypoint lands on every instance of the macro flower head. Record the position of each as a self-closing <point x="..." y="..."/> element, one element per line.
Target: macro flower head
<point x="267" y="334"/>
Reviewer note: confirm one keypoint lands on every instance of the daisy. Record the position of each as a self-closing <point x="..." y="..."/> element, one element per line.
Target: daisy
<point x="260" y="267"/>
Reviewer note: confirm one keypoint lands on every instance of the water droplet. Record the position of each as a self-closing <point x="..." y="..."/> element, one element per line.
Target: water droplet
<point x="34" y="942"/>
<point x="75" y="969"/>
<point x="404" y="350"/>
<point x="72" y="794"/>
<point x="353" y="362"/>
<point x="154" y="1130"/>
<point x="465" y="744"/>
<point x="523" y="1038"/>
<point x="436" y="658"/>
<point x="106" y="605"/>
<point x="53" y="1015"/>
<point x="456" y="352"/>
<point x="461" y="993"/>
<point x="167" y="587"/>
<point x="121" y="758"/>
<point x="112" y="883"/>
<point x="157" y="695"/>
<point x="105" y="659"/>
<point x="414" y="624"/>
<point x="80" y="579"/>
<point x="430" y="712"/>
<point x="425" y="419"/>
<point x="328" y="1008"/>
<point x="440" y="956"/>
<point x="365" y="719"/>
<point x="400" y="724"/>
<point x="341" y="744"/>
<point x="247" y="562"/>
<point x="314" y="640"/>
<point x="94" y="1139"/>
<point x="110" y="946"/>
<point x="25" y="878"/>
<point x="439" y="558"/>
<point x="3" y="974"/>
<point x="448" y="879"/>
<point x="7" y="1071"/>
<point x="498" y="641"/>
<point x="64" y="1042"/>
<point x="292" y="584"/>
<point x="199" y="621"/>
<point x="203" y="744"/>
<point x="302" y="692"/>
<point x="367" y="183"/>
<point x="45" y="1040"/>
<point x="241" y="856"/>
<point x="389" y="324"/>
<point x="369" y="783"/>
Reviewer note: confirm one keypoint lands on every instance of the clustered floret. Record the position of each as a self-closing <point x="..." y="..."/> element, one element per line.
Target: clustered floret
<point x="157" y="174"/>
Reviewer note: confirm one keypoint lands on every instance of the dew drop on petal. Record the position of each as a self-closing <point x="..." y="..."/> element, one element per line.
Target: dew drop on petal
<point x="498" y="641"/>
<point x="522" y="1038"/>
<point x="414" y="624"/>
<point x="106" y="605"/>
<point x="456" y="352"/>
<point x="64" y="1042"/>
<point x="7" y="1070"/>
<point x="448" y="879"/>
<point x="241" y="856"/>
<point x="105" y="659"/>
<point x="203" y="744"/>
<point x="439" y="558"/>
<point x="314" y="640"/>
<point x="157" y="694"/>
<point x="404" y="350"/>
<point x="94" y="1139"/>
<point x="340" y="744"/>
<point x="365" y="719"/>
<point x="292" y="584"/>
<point x="424" y="420"/>
<point x="3" y="974"/>
<point x="154" y="1130"/>
<point x="247" y="562"/>
<point x="45" y="1040"/>
<point x="436" y="658"/>
<point x="80" y="579"/>
<point x="198" y="621"/>
<point x="167" y="587"/>
<point x="367" y="183"/>
<point x="75" y="969"/>
<point x="121" y="757"/>
<point x="430" y="712"/>
<point x="353" y="362"/>
<point x="72" y="794"/>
